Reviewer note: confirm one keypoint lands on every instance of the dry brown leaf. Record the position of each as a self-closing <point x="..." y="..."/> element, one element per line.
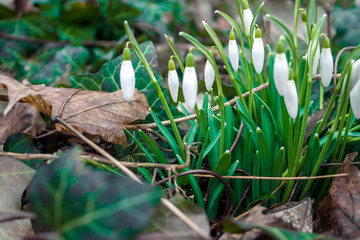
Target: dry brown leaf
<point x="299" y="214"/>
<point x="338" y="214"/>
<point x="96" y="113"/>
<point x="23" y="118"/>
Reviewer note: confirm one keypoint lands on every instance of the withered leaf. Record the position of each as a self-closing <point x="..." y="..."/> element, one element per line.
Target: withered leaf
<point x="338" y="214"/>
<point x="93" y="112"/>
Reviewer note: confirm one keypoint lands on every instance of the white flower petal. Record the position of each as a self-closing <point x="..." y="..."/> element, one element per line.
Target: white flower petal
<point x="209" y="75"/>
<point x="127" y="79"/>
<point x="355" y="99"/>
<point x="173" y="83"/>
<point x="316" y="60"/>
<point x="355" y="73"/>
<point x="233" y="54"/>
<point x="291" y="99"/>
<point x="258" y="54"/>
<point x="281" y="73"/>
<point x="190" y="87"/>
<point x="326" y="66"/>
<point x="248" y="17"/>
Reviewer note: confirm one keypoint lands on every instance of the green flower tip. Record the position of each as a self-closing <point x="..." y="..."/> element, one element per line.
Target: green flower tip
<point x="126" y="54"/>
<point x="245" y="4"/>
<point x="171" y="65"/>
<point x="258" y="33"/>
<point x="303" y="17"/>
<point x="291" y="74"/>
<point x="326" y="43"/>
<point x="232" y="35"/>
<point x="280" y="47"/>
<point x="190" y="60"/>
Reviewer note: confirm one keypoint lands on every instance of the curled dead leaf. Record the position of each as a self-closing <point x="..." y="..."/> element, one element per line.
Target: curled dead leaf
<point x="93" y="112"/>
<point x="338" y="214"/>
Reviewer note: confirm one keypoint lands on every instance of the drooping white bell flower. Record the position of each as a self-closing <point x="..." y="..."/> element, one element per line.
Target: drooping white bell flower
<point x="304" y="26"/>
<point x="258" y="54"/>
<point x="355" y="99"/>
<point x="355" y="73"/>
<point x="248" y="16"/>
<point x="291" y="97"/>
<point x="209" y="75"/>
<point x="281" y="69"/>
<point x="326" y="63"/>
<point x="127" y="76"/>
<point x="233" y="51"/>
<point x="189" y="83"/>
<point x="173" y="81"/>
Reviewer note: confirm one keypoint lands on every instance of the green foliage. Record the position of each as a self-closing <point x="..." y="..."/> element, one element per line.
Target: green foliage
<point x="22" y="143"/>
<point x="80" y="204"/>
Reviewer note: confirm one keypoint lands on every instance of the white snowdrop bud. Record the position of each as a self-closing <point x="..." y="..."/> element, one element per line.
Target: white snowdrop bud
<point x="355" y="99"/>
<point x="316" y="56"/>
<point x="189" y="83"/>
<point x="209" y="75"/>
<point x="247" y="15"/>
<point x="355" y="73"/>
<point x="326" y="63"/>
<point x="258" y="54"/>
<point x="281" y="69"/>
<point x="304" y="26"/>
<point x="233" y="51"/>
<point x="127" y="76"/>
<point x="291" y="97"/>
<point x="173" y="81"/>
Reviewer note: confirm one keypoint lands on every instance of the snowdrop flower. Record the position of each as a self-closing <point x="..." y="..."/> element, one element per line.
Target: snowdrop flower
<point x="281" y="69"/>
<point x="355" y="73"/>
<point x="304" y="26"/>
<point x="291" y="97"/>
<point x="189" y="83"/>
<point x="355" y="99"/>
<point x="233" y="51"/>
<point x="209" y="75"/>
<point x="173" y="81"/>
<point x="127" y="76"/>
<point x="248" y="16"/>
<point x="258" y="54"/>
<point x="326" y="63"/>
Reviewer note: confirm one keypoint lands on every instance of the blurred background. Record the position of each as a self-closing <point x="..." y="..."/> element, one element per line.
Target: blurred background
<point x="49" y="40"/>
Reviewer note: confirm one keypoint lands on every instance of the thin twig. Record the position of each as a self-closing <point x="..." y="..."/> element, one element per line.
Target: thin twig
<point x="246" y="192"/>
<point x="238" y="135"/>
<point x="275" y="178"/>
<point x="337" y="62"/>
<point x="44" y="41"/>
<point x="273" y="192"/>
<point x="157" y="144"/>
<point x="193" y="116"/>
<point x="294" y="189"/>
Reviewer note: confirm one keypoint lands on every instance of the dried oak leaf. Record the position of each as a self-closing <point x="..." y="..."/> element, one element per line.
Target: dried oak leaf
<point x="338" y="214"/>
<point x="93" y="112"/>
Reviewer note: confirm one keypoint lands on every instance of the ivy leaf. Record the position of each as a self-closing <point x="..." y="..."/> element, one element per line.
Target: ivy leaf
<point x="107" y="79"/>
<point x="75" y="57"/>
<point x="79" y="204"/>
<point x="22" y="143"/>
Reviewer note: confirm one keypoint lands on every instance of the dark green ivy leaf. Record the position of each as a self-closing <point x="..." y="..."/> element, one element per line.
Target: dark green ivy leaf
<point x="79" y="204"/>
<point x="22" y="143"/>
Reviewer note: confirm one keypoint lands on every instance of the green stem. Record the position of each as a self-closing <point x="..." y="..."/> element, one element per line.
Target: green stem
<point x="321" y="102"/>
<point x="345" y="135"/>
